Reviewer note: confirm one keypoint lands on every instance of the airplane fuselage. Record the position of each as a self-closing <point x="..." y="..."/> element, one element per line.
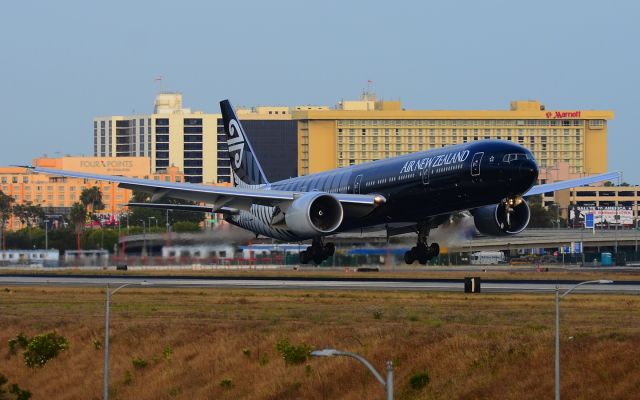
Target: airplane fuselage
<point x="416" y="186"/>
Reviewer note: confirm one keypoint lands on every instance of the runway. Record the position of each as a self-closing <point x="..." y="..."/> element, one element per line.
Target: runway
<point x="442" y="285"/>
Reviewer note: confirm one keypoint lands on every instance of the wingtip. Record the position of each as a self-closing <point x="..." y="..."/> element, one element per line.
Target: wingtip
<point x="23" y="166"/>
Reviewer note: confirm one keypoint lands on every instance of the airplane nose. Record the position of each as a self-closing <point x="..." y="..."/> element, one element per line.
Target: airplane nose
<point x="528" y="171"/>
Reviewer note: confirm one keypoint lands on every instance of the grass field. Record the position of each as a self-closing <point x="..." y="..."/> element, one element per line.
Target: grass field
<point x="221" y="344"/>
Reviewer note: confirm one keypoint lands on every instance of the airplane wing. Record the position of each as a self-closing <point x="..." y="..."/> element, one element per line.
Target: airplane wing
<point x="217" y="196"/>
<point x="183" y="207"/>
<point x="571" y="183"/>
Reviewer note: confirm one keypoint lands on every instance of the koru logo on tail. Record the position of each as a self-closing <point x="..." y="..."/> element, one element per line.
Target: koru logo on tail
<point x="236" y="142"/>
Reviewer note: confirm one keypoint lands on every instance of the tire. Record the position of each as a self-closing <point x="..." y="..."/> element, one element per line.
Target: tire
<point x="304" y="257"/>
<point x="330" y="249"/>
<point x="408" y="257"/>
<point x="434" y="250"/>
<point x="317" y="260"/>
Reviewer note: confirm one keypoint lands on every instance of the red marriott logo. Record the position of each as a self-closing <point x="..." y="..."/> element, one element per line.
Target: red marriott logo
<point x="562" y="114"/>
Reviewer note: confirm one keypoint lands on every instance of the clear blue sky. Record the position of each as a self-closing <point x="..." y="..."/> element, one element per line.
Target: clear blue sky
<point x="63" y="63"/>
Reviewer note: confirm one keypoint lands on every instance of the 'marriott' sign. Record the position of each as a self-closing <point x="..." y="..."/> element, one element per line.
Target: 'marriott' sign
<point x="562" y="114"/>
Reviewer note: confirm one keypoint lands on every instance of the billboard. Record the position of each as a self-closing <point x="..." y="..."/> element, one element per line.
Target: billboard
<point x="602" y="216"/>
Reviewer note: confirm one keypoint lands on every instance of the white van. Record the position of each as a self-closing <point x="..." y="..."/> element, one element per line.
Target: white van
<point x="487" y="258"/>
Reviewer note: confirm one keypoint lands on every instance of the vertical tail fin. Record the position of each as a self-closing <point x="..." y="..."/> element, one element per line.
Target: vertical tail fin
<point x="246" y="167"/>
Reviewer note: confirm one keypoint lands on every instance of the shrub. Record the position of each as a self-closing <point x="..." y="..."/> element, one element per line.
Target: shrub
<point x="419" y="380"/>
<point x="21" y="394"/>
<point x="21" y="340"/>
<point x="174" y="391"/>
<point x="246" y="352"/>
<point x="226" y="383"/>
<point x="263" y="360"/>
<point x="186" y="226"/>
<point x="97" y="344"/>
<point x="42" y="348"/>
<point x="128" y="378"/>
<point x="138" y="363"/>
<point x="167" y="352"/>
<point x="377" y="314"/>
<point x="3" y="380"/>
<point x="292" y="354"/>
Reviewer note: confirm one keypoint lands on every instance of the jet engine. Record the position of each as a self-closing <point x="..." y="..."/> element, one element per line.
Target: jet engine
<point x="508" y="217"/>
<point x="314" y="213"/>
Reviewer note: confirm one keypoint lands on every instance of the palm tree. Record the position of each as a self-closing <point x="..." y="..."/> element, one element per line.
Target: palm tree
<point x="35" y="214"/>
<point x="20" y="212"/>
<point x="91" y="199"/>
<point x="5" y="211"/>
<point x="78" y="217"/>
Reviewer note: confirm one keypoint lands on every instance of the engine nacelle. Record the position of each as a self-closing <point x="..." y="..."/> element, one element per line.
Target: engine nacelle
<point x="505" y="218"/>
<point x="314" y="213"/>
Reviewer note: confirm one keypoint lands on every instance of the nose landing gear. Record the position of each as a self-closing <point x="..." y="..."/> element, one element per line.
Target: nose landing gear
<point x="422" y="252"/>
<point x="317" y="252"/>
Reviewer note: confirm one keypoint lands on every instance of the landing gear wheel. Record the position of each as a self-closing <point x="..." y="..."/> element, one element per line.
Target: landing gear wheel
<point x="317" y="252"/>
<point x="305" y="257"/>
<point x="434" y="250"/>
<point x="422" y="252"/>
<point x="408" y="257"/>
<point x="423" y="259"/>
<point x="329" y="249"/>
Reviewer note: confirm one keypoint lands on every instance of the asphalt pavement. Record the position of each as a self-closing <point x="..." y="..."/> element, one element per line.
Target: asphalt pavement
<point x="443" y="285"/>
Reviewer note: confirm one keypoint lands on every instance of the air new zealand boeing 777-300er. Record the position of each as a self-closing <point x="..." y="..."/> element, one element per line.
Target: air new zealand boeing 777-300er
<point x="415" y="192"/>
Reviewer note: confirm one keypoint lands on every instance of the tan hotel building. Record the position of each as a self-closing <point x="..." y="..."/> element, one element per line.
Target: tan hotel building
<point x="57" y="194"/>
<point x="368" y="129"/>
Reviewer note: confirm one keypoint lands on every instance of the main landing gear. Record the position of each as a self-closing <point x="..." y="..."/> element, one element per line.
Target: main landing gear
<point x="317" y="252"/>
<point x="422" y="252"/>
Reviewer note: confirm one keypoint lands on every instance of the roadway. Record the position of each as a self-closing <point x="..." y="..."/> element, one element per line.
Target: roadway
<point x="442" y="285"/>
<point x="453" y="239"/>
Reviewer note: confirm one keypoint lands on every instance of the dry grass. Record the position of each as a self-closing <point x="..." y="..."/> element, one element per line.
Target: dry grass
<point x="486" y="346"/>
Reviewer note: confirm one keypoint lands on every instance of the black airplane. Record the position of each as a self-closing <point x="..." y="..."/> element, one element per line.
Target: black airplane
<point x="410" y="193"/>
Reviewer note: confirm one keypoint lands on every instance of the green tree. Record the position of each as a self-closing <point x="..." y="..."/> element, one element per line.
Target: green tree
<point x="20" y="212"/>
<point x="35" y="214"/>
<point x="78" y="218"/>
<point x="541" y="217"/>
<point x="143" y="214"/>
<point x="91" y="199"/>
<point x="6" y="202"/>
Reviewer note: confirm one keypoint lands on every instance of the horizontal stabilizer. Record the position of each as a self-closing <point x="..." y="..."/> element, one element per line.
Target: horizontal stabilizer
<point x="571" y="183"/>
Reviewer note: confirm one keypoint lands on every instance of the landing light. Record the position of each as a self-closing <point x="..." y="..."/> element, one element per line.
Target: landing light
<point x="378" y="199"/>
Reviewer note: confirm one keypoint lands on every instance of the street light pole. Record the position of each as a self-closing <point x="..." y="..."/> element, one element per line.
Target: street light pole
<point x="144" y="239"/>
<point x="105" y="383"/>
<point x="387" y="384"/>
<point x="46" y="234"/>
<point x="635" y="235"/>
<point x="557" y="350"/>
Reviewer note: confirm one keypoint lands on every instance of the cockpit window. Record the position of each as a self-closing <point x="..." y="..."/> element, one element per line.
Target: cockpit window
<point x="516" y="156"/>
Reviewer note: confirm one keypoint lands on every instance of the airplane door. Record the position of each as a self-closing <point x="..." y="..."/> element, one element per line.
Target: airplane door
<point x="356" y="184"/>
<point x="475" y="163"/>
<point x="425" y="175"/>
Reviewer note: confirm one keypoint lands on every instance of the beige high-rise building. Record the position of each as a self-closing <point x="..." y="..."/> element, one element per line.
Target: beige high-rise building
<point x="172" y="136"/>
<point x="193" y="141"/>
